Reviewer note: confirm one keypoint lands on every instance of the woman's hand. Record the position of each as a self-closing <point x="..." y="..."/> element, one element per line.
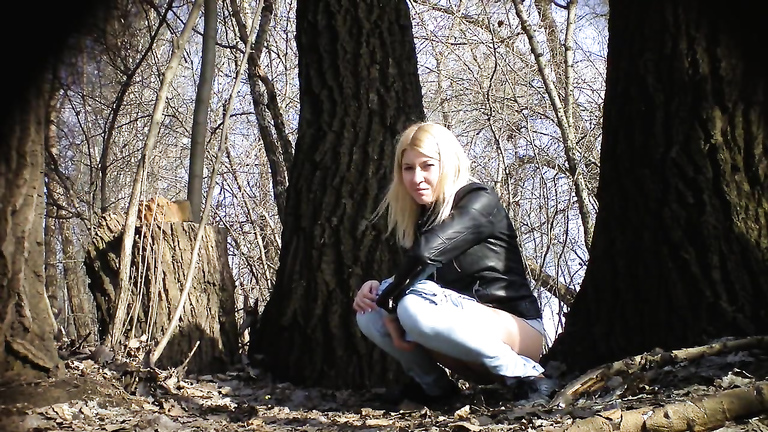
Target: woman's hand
<point x="397" y="333"/>
<point x="365" y="300"/>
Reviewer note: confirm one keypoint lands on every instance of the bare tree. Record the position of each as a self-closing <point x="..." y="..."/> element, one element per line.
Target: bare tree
<point x="563" y="111"/>
<point x="202" y="100"/>
<point x="278" y="147"/>
<point x="53" y="288"/>
<point x="118" y="46"/>
<point x="70" y="301"/>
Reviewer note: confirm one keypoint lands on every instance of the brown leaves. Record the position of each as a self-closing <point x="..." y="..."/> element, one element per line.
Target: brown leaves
<point x="696" y="392"/>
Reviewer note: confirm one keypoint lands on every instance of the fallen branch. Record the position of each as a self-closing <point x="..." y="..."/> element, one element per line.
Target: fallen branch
<point x="181" y="370"/>
<point x="596" y="378"/>
<point x="700" y="414"/>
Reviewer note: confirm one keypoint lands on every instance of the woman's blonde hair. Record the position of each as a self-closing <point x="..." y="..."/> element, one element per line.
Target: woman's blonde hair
<point x="437" y="142"/>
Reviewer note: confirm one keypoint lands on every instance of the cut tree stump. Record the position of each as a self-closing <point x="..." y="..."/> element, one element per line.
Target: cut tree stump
<point x="161" y="258"/>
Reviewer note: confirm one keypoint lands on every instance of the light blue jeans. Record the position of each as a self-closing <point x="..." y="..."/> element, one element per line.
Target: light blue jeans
<point x="447" y="322"/>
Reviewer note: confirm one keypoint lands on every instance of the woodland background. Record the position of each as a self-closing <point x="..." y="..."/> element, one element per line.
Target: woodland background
<point x="276" y="121"/>
<point x="478" y="77"/>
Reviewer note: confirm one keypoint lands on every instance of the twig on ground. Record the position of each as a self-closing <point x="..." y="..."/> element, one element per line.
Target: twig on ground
<point x="183" y="368"/>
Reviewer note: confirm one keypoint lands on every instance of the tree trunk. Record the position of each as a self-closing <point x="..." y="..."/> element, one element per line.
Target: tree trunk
<point x="359" y="89"/>
<point x="52" y="286"/>
<point x="26" y="333"/>
<point x="80" y="299"/>
<point x="200" y="118"/>
<point x="680" y="254"/>
<point x="26" y="337"/>
<point x="162" y="255"/>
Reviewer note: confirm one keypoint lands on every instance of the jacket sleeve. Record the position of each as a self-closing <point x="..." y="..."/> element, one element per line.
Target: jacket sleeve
<point x="468" y="225"/>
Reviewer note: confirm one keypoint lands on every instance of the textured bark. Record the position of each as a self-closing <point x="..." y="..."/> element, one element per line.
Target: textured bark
<point x="26" y="336"/>
<point x="162" y="255"/>
<point x="680" y="254"/>
<point x="26" y="332"/>
<point x="52" y="287"/>
<point x="81" y="303"/>
<point x="359" y="89"/>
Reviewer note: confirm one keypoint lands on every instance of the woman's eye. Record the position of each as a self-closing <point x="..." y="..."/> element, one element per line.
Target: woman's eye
<point x="408" y="168"/>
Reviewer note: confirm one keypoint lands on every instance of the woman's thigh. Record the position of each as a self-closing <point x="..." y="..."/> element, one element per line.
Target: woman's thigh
<point x="465" y="311"/>
<point x="518" y="334"/>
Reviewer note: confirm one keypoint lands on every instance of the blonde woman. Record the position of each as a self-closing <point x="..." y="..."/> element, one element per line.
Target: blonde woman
<point x="460" y="299"/>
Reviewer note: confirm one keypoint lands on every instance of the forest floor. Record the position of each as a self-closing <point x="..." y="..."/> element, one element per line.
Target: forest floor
<point x="718" y="387"/>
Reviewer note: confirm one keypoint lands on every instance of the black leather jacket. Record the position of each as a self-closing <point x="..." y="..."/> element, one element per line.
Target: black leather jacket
<point x="474" y="252"/>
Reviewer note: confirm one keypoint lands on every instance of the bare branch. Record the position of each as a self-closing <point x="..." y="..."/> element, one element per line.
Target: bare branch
<point x="279" y="158"/>
<point x="561" y="291"/>
<point x="566" y="128"/>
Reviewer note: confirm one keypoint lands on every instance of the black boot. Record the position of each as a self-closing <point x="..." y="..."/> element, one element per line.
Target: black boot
<point x="413" y="391"/>
<point x="534" y="389"/>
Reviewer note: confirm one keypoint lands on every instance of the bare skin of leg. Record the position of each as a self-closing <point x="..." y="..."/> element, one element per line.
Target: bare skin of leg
<point x="514" y="331"/>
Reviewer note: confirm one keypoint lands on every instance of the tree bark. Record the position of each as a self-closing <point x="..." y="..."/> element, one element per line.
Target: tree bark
<point x="26" y="337"/>
<point x="162" y="257"/>
<point x="680" y="254"/>
<point x="52" y="286"/>
<point x="81" y="303"/>
<point x="26" y="333"/>
<point x="359" y="89"/>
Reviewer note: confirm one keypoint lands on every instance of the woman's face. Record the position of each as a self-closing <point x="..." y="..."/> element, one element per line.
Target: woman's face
<point x="420" y="174"/>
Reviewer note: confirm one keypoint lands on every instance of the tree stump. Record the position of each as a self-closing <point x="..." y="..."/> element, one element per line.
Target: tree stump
<point x="162" y="256"/>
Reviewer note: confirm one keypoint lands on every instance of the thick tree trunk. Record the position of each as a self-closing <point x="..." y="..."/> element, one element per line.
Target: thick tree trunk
<point x="359" y="89"/>
<point x="26" y="333"/>
<point x="26" y="336"/>
<point x="680" y="254"/>
<point x="162" y="255"/>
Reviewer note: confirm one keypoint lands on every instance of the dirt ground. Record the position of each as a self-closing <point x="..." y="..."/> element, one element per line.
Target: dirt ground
<point x="120" y="396"/>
